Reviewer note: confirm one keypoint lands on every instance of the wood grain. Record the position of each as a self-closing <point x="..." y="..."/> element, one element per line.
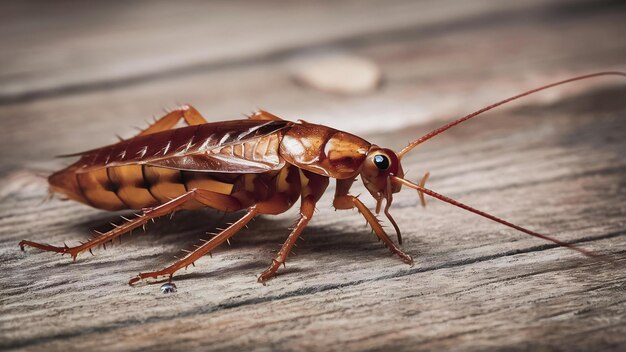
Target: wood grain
<point x="79" y="47"/>
<point x="553" y="163"/>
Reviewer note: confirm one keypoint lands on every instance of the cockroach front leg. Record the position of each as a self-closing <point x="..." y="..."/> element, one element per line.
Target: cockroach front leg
<point x="227" y="203"/>
<point x="346" y="201"/>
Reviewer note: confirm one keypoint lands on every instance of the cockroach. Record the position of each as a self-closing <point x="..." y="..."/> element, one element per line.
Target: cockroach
<point x="262" y="165"/>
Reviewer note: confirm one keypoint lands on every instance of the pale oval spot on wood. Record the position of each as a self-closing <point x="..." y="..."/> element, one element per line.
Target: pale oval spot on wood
<point x="337" y="73"/>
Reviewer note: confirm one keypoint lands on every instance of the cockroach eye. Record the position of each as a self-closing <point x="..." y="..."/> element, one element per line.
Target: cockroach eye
<point x="381" y="162"/>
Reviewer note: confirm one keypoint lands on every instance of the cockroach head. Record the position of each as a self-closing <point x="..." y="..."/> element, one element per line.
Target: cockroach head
<point x="379" y="165"/>
<point x="377" y="172"/>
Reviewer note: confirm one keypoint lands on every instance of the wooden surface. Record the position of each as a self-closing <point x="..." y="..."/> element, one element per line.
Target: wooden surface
<point x="76" y="75"/>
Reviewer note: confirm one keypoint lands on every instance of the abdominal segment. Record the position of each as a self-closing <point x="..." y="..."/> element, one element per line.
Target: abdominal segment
<point x="139" y="186"/>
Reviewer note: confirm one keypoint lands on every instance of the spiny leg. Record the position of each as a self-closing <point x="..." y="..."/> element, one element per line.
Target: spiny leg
<point x="186" y="112"/>
<point x="312" y="189"/>
<point x="349" y="202"/>
<point x="202" y="250"/>
<point x="345" y="201"/>
<point x="228" y="203"/>
<point x="276" y="205"/>
<point x="306" y="213"/>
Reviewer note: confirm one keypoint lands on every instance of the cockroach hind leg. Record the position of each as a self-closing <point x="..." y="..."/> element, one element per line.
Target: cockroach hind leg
<point x="200" y="251"/>
<point x="65" y="249"/>
<point x="110" y="235"/>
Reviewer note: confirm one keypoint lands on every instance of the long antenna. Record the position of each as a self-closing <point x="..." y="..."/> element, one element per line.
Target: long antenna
<point x="490" y="217"/>
<point x="487" y="108"/>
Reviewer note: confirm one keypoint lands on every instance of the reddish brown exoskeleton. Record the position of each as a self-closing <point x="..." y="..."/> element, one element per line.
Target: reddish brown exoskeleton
<point x="263" y="164"/>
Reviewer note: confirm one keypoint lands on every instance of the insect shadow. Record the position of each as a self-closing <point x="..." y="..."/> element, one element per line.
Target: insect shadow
<point x="259" y="242"/>
<point x="187" y="228"/>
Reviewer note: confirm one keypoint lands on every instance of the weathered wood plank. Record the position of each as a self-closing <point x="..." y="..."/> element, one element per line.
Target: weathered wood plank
<point x="74" y="47"/>
<point x="554" y="163"/>
<point x="437" y="309"/>
<point x="575" y="191"/>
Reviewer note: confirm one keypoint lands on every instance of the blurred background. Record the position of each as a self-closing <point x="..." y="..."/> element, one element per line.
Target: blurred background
<point x="74" y="73"/>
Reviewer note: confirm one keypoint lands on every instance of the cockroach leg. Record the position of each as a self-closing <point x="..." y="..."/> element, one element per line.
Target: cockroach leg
<point x="350" y="202"/>
<point x="306" y="213"/>
<point x="216" y="201"/>
<point x="186" y="112"/>
<point x="343" y="200"/>
<point x="147" y="214"/>
<point x="199" y="252"/>
<point x="388" y="215"/>
<point x="422" y="184"/>
<point x="311" y="190"/>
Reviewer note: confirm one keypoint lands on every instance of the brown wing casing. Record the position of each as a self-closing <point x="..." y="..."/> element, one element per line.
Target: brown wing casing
<point x="151" y="169"/>
<point x="254" y="156"/>
<point x="323" y="150"/>
<point x="240" y="142"/>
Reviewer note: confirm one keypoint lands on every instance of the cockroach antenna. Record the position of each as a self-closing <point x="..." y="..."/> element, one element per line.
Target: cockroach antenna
<point x="422" y="190"/>
<point x="491" y="217"/>
<point x="444" y="128"/>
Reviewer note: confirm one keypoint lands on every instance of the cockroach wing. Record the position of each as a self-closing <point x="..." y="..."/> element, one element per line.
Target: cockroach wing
<point x="239" y="146"/>
<point x="250" y="156"/>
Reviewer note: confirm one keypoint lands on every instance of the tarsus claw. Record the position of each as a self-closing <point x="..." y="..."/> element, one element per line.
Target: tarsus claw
<point x="134" y="280"/>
